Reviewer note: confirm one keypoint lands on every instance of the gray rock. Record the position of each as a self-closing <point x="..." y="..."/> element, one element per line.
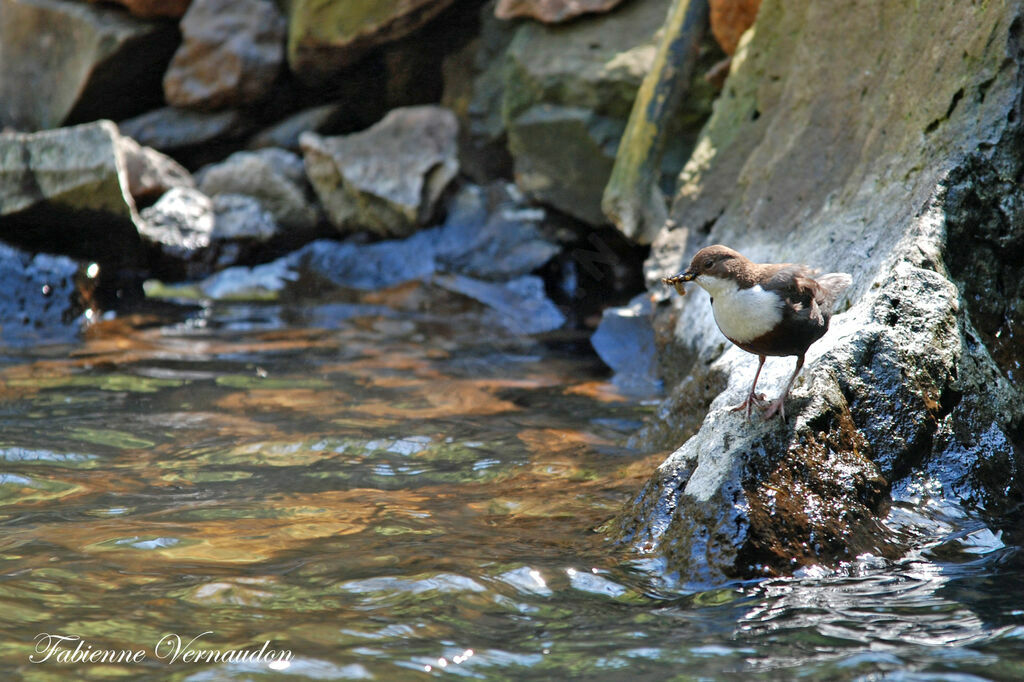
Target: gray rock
<point x="260" y="282"/>
<point x="151" y="173"/>
<point x="275" y="177"/>
<point x="625" y="342"/>
<point x="69" y="62"/>
<point x="47" y="299"/>
<point x="170" y="129"/>
<point x="326" y="37"/>
<point x="567" y="95"/>
<point x="180" y="226"/>
<point x="239" y="217"/>
<point x="918" y="200"/>
<point x="388" y="178"/>
<point x="66" y="191"/>
<point x="519" y="305"/>
<point x="230" y="55"/>
<point x="488" y="235"/>
<point x="285" y="134"/>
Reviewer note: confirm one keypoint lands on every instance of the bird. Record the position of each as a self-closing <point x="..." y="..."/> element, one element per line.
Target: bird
<point x="776" y="309"/>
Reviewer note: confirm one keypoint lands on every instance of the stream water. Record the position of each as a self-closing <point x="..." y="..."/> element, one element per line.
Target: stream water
<point x="393" y="497"/>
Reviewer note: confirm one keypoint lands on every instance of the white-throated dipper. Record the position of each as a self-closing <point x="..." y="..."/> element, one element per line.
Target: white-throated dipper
<point x="764" y="308"/>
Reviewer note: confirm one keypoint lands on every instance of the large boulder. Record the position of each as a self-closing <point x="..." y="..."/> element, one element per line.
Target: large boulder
<point x="568" y="94"/>
<point x="47" y="299"/>
<point x="326" y="37"/>
<point x="811" y="157"/>
<point x="66" y="191"/>
<point x="231" y="53"/>
<point x="151" y="173"/>
<point x="69" y="62"/>
<point x="387" y="178"/>
<point x="276" y="177"/>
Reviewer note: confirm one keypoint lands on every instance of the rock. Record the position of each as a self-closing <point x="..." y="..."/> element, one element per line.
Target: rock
<point x="573" y="182"/>
<point x="625" y="342"/>
<point x="231" y="53"/>
<point x="576" y="84"/>
<point x="489" y="234"/>
<point x="324" y="38"/>
<point x="150" y="173"/>
<point x="68" y="62"/>
<point x="551" y="11"/>
<point x="730" y="19"/>
<point x="174" y="130"/>
<point x="285" y="134"/>
<point x="275" y="177"/>
<point x="260" y="282"/>
<point x="520" y="305"/>
<point x="151" y="9"/>
<point x="917" y="197"/>
<point x="66" y="191"/>
<point x="388" y="178"/>
<point x="474" y="88"/>
<point x="179" y="227"/>
<point x="238" y="217"/>
<point x="47" y="299"/>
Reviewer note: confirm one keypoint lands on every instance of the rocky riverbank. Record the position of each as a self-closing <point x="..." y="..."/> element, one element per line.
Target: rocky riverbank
<point x="228" y="148"/>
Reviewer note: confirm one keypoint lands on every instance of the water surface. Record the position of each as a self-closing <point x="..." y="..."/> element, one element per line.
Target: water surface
<point x="403" y="496"/>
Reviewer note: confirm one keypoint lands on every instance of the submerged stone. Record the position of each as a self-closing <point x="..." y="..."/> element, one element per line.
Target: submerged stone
<point x="45" y="297"/>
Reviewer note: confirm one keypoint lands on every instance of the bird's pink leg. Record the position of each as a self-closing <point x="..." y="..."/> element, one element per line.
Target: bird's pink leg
<point x="777" y="405"/>
<point x="752" y="398"/>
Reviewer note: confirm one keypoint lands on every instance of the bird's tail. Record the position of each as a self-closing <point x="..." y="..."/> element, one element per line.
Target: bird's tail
<point x="833" y="284"/>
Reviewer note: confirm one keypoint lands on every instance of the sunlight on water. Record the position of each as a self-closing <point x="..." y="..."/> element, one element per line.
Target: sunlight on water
<point x="389" y="498"/>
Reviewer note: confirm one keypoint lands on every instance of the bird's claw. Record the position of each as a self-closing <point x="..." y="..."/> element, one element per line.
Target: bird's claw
<point x="753" y="400"/>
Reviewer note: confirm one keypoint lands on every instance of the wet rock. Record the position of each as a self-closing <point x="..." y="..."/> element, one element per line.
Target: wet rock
<point x="151" y="9"/>
<point x="625" y="342"/>
<point x="730" y="19"/>
<point x="474" y="88"/>
<point x="551" y="11"/>
<point x="46" y="297"/>
<point x="108" y="64"/>
<point x="324" y="38"/>
<point x="230" y="55"/>
<point x="259" y="282"/>
<point x="285" y="134"/>
<point x="568" y="94"/>
<point x="173" y="130"/>
<point x="388" y="178"/>
<point x="904" y="387"/>
<point x="520" y="305"/>
<point x="487" y="235"/>
<point x="179" y="227"/>
<point x="239" y="217"/>
<point x="276" y="177"/>
<point x="151" y="173"/>
<point x="66" y="191"/>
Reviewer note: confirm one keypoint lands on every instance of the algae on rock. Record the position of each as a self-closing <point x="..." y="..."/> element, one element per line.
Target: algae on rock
<point x="848" y="139"/>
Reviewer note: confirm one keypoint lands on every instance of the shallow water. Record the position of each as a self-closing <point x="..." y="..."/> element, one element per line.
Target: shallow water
<point x="395" y="496"/>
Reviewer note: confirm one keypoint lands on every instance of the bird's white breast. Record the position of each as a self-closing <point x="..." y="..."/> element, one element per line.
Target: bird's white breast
<point x="742" y="314"/>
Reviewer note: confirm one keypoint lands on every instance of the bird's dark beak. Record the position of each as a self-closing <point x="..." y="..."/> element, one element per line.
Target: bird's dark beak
<point x="677" y="281"/>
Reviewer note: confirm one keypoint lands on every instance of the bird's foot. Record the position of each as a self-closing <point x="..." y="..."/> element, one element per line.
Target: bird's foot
<point x="776" y="406"/>
<point x="753" y="400"/>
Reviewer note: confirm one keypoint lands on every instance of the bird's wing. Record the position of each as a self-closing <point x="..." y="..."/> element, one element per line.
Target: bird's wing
<point x="797" y="285"/>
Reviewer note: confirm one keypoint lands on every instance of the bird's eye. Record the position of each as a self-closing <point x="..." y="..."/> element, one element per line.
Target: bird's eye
<point x="708" y="263"/>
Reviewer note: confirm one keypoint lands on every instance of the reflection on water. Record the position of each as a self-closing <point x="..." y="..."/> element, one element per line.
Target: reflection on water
<point x="398" y="497"/>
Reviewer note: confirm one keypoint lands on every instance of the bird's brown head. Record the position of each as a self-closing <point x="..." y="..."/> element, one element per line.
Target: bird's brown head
<point x="716" y="261"/>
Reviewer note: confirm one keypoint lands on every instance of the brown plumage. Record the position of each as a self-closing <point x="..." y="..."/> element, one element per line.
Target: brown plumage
<point x="765" y="308"/>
